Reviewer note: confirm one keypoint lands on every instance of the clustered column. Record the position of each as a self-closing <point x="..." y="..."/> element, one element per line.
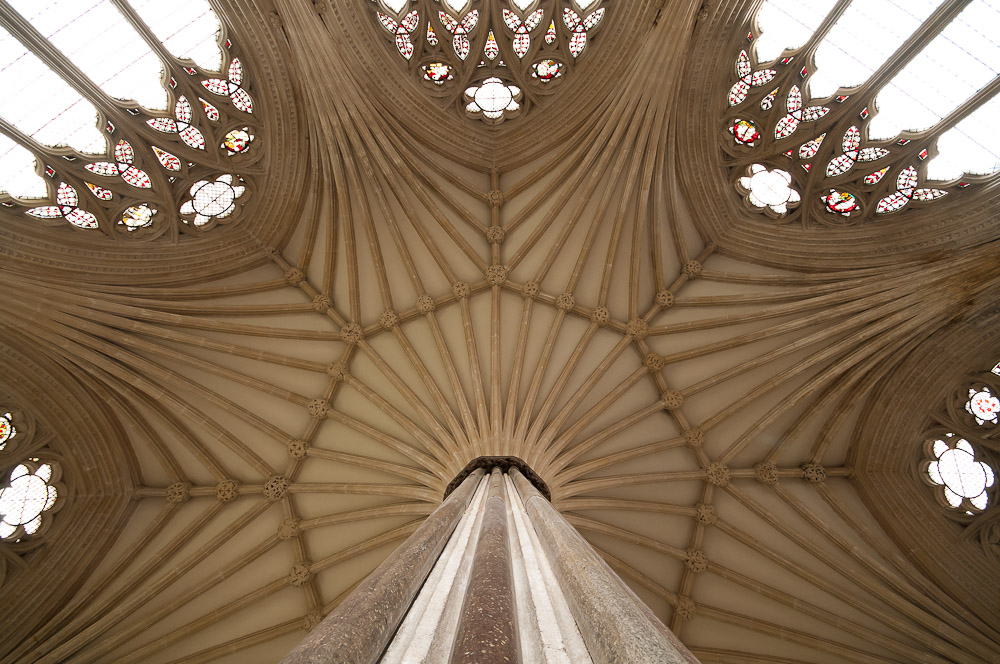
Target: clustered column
<point x="494" y="575"/>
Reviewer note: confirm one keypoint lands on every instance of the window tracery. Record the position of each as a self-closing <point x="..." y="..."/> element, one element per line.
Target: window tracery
<point x="109" y="139"/>
<point x="959" y="459"/>
<point x="31" y="489"/>
<point x="458" y="47"/>
<point x="908" y="90"/>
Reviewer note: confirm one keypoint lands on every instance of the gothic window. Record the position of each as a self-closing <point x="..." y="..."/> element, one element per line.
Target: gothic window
<point x="30" y="487"/>
<point x="107" y="140"/>
<point x="476" y="53"/>
<point x="958" y="458"/>
<point x="28" y="495"/>
<point x="874" y="109"/>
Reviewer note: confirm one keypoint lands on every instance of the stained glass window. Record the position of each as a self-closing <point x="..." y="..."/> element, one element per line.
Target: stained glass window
<point x="7" y="429"/>
<point x="962" y="476"/>
<point x="24" y="500"/>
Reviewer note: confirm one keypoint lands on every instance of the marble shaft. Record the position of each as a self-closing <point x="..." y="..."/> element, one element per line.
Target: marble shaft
<point x="494" y="575"/>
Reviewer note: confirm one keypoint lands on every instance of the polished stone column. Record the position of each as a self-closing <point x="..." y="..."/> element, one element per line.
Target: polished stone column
<point x="495" y="574"/>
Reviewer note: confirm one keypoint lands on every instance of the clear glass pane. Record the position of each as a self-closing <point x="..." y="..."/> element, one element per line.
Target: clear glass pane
<point x="41" y="104"/>
<point x="95" y="36"/>
<point x="788" y="24"/>
<point x="953" y="67"/>
<point x="862" y="39"/>
<point x="188" y="29"/>
<point x="17" y="171"/>
<point x="972" y="146"/>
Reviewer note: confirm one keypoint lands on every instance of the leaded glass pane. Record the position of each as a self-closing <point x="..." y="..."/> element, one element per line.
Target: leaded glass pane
<point x="125" y="67"/>
<point x="187" y="28"/>
<point x="962" y="59"/>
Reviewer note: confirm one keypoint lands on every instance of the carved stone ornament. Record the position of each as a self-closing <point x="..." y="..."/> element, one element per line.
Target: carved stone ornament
<point x="692" y="268"/>
<point x="425" y="304"/>
<point x="717" y="473"/>
<point x="495" y="198"/>
<point x="297" y="448"/>
<point x="351" y="333"/>
<point x="685" y="608"/>
<point x="496" y="275"/>
<point x="530" y="289"/>
<point x="288" y="529"/>
<point x="294" y="276"/>
<point x="300" y="574"/>
<point x="461" y="290"/>
<point x="388" y="320"/>
<point x="664" y="299"/>
<point x="637" y="329"/>
<point x="813" y="472"/>
<point x="179" y="492"/>
<point x="312" y="619"/>
<point x="336" y="370"/>
<point x="672" y="399"/>
<point x="227" y="491"/>
<point x="694" y="437"/>
<point x="696" y="561"/>
<point x="653" y="362"/>
<point x="601" y="316"/>
<point x="495" y="234"/>
<point x="706" y="514"/>
<point x="275" y="488"/>
<point x="318" y="407"/>
<point x="766" y="473"/>
<point x="565" y="301"/>
<point x="322" y="303"/>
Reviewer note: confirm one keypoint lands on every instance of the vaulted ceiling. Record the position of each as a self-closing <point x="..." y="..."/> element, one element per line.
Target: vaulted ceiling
<point x="731" y="410"/>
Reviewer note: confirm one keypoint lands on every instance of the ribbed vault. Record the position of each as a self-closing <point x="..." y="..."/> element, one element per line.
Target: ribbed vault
<point x="551" y="296"/>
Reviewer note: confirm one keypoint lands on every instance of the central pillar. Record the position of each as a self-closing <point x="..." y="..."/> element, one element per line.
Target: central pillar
<point x="494" y="575"/>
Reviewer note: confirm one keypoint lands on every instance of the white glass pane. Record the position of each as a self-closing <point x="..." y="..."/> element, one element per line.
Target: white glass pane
<point x="862" y="39"/>
<point x="97" y="39"/>
<point x="960" y="61"/>
<point x="17" y="171"/>
<point x="972" y="146"/>
<point x="788" y="24"/>
<point x="188" y="29"/>
<point x="41" y="104"/>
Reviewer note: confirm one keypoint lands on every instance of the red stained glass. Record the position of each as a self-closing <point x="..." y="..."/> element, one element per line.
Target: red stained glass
<point x="167" y="160"/>
<point x="492" y="49"/>
<point x="99" y="192"/>
<point x="211" y="112"/>
<point x="874" y="178"/>
<point x="136" y="177"/>
<point x="105" y="168"/>
<point x="550" y="34"/>
<point x="81" y="219"/>
<point x="236" y="71"/>
<point x="808" y="150"/>
<point x="747" y="79"/>
<point x="840" y="202"/>
<point x="546" y="70"/>
<point x="923" y="154"/>
<point x="745" y="132"/>
<point x="193" y="137"/>
<point x="45" y="212"/>
<point x="437" y="72"/>
<point x="768" y="101"/>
